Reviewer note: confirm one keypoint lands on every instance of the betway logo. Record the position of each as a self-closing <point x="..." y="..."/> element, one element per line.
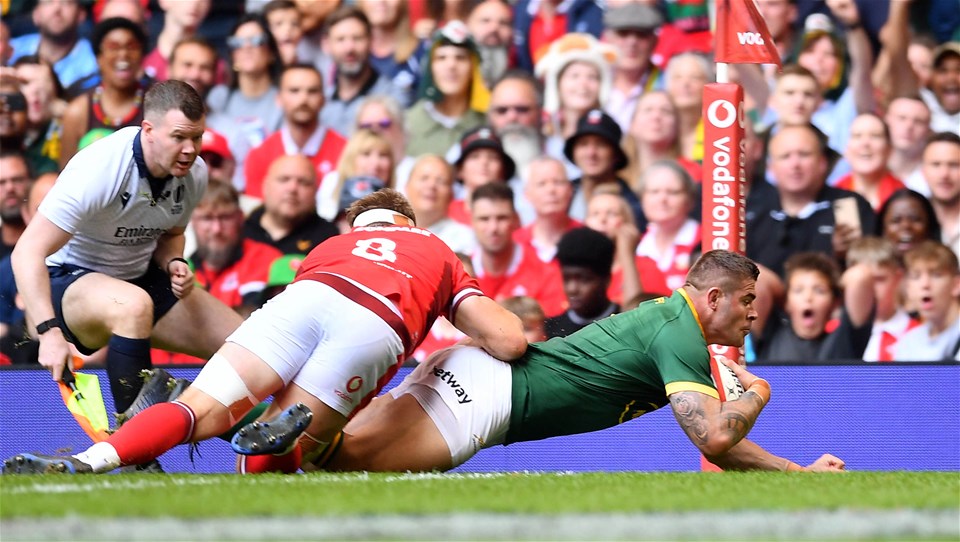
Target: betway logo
<point x="750" y="38"/>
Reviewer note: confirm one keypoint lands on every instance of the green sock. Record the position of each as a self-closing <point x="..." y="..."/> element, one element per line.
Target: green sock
<point x="249" y="418"/>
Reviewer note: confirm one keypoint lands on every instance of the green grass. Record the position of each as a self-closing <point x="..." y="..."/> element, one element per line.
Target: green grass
<point x="207" y="496"/>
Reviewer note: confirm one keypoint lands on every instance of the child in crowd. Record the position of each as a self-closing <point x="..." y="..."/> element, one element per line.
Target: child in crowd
<point x="531" y="315"/>
<point x="933" y="287"/>
<point x="803" y="330"/>
<point x="891" y="320"/>
<point x="283" y="18"/>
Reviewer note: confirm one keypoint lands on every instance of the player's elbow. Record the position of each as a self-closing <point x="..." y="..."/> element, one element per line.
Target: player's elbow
<point x="717" y="444"/>
<point x="507" y="347"/>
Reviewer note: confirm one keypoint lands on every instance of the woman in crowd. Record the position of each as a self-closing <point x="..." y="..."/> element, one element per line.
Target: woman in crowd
<point x="672" y="236"/>
<point x="906" y="219"/>
<point x="382" y="114"/>
<point x="395" y="52"/>
<point x="654" y="136"/>
<point x="686" y="75"/>
<point x="367" y="154"/>
<point x="868" y="151"/>
<point x="118" y="100"/>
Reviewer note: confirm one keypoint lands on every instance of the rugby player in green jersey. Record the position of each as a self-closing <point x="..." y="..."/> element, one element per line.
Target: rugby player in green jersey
<point x="461" y="399"/>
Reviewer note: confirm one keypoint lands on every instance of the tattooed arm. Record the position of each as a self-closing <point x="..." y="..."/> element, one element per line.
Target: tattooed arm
<point x="715" y="427"/>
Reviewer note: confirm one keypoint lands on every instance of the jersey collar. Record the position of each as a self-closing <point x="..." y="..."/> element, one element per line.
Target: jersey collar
<point x="156" y="184"/>
<point x="692" y="309"/>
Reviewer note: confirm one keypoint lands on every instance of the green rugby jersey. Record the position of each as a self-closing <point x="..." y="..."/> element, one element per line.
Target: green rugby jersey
<point x="610" y="371"/>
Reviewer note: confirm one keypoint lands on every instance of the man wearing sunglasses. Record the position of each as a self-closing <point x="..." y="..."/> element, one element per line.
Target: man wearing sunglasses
<point x="348" y="34"/>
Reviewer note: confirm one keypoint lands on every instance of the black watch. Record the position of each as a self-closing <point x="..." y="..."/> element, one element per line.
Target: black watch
<point x="44" y="327"/>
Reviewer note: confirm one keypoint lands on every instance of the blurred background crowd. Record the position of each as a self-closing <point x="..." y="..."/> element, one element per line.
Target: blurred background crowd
<point x="556" y="145"/>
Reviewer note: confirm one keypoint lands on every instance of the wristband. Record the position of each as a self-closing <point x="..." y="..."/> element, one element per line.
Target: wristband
<point x="793" y="467"/>
<point x="762" y="388"/>
<point x="167" y="268"/>
<point x="47" y="325"/>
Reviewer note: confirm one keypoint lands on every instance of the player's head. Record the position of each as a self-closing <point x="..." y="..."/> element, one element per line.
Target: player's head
<point x="722" y="286"/>
<point x="813" y="288"/>
<point x="173" y="124"/>
<point x="385" y="207"/>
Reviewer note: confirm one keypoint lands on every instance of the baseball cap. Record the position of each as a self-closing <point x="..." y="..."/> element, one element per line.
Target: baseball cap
<point x="632" y="16"/>
<point x="214" y="142"/>
<point x="945" y="49"/>
<point x="483" y="137"/>
<point x="357" y="187"/>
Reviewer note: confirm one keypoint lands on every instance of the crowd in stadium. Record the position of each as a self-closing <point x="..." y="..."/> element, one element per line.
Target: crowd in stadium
<point x="555" y="145"/>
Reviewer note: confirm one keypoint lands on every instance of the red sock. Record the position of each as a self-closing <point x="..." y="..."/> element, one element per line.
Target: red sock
<point x="152" y="432"/>
<point x="287" y="463"/>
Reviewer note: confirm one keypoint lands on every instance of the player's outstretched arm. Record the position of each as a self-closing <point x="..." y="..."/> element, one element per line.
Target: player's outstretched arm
<point x="714" y="426"/>
<point x="748" y="455"/>
<point x="492" y="327"/>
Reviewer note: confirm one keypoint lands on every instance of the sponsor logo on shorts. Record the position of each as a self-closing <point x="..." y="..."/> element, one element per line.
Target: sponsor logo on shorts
<point x="449" y="379"/>
<point x="354" y="384"/>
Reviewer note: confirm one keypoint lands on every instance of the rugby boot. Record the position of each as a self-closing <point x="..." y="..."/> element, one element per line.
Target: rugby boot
<point x="45" y="464"/>
<point x="277" y="436"/>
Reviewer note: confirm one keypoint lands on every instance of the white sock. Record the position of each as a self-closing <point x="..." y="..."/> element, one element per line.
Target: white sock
<point x="102" y="457"/>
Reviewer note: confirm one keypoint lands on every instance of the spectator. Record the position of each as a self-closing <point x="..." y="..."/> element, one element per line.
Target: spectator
<point x="803" y="219"/>
<point x="941" y="95"/>
<point x="632" y="274"/>
<point x="430" y="192"/>
<point x="230" y="266"/>
<point x="491" y="26"/>
<point x="537" y="24"/>
<point x="312" y="16"/>
<point x="505" y="268"/>
<point x="283" y="19"/>
<point x="44" y="96"/>
<point x="654" y="136"/>
<point x="452" y="98"/>
<point x="531" y="316"/>
<point x="181" y="19"/>
<point x="288" y="219"/>
<point x="908" y="119"/>
<point x="867" y="152"/>
<point x="15" y="180"/>
<point x="686" y="75"/>
<point x="595" y="149"/>
<point x="194" y="61"/>
<point x="586" y="258"/>
<point x="672" y="237"/>
<point x="13" y="116"/>
<point x="482" y="160"/>
<point x="383" y="115"/>
<point x="367" y="154"/>
<point x="549" y="191"/>
<point x="780" y="17"/>
<point x="117" y="101"/>
<point x="515" y="115"/>
<point x="300" y="100"/>
<point x="58" y="41"/>
<point x="891" y="320"/>
<point x="941" y="169"/>
<point x="920" y="56"/>
<point x="800" y="332"/>
<point x="395" y="52"/>
<point x="348" y="41"/>
<point x="933" y="287"/>
<point x="906" y="219"/>
<point x="576" y="79"/>
<point x="632" y="30"/>
<point x="215" y="151"/>
<point x="246" y="111"/>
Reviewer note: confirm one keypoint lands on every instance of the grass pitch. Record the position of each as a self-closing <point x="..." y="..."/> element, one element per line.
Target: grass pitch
<point x="921" y="505"/>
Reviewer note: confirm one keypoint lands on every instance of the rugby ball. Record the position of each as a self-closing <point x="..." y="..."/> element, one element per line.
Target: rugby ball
<point x="724" y="379"/>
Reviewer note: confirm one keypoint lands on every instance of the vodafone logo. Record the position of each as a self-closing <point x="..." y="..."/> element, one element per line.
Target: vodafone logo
<point x="750" y="38"/>
<point x="354" y="384"/>
<point x="722" y="114"/>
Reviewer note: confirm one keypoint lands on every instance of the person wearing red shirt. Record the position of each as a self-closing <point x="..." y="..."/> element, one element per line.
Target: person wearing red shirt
<point x="359" y="305"/>
<point x="505" y="268"/>
<point x="301" y="98"/>
<point x="549" y="191"/>
<point x="868" y="151"/>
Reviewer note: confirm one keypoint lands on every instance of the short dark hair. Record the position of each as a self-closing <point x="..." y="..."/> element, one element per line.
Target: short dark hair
<point x="300" y="66"/>
<point x="9" y="152"/>
<point x="942" y="137"/>
<point x="106" y="26"/>
<point x="193" y="40"/>
<point x="386" y="198"/>
<point x="495" y="191"/>
<point x="517" y="74"/>
<point x="722" y="268"/>
<point x="584" y="247"/>
<point x="277" y="5"/>
<point x="173" y="95"/>
<point x="816" y="262"/>
<point x="343" y="13"/>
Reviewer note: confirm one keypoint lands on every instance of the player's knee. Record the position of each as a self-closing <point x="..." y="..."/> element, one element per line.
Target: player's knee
<point x="131" y="307"/>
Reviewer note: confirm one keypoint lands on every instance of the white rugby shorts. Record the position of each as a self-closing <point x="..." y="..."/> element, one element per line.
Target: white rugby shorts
<point x="314" y="336"/>
<point x="468" y="395"/>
